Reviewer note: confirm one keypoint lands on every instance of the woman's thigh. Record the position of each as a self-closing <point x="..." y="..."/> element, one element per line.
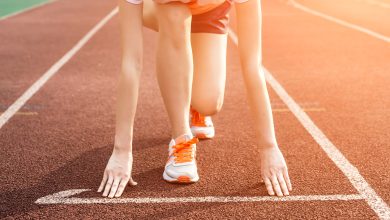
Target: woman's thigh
<point x="149" y="15"/>
<point x="209" y="54"/>
<point x="208" y="87"/>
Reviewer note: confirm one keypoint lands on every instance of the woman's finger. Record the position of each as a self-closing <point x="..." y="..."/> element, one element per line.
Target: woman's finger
<point x="132" y="182"/>
<point x="282" y="184"/>
<point x="108" y="185"/>
<point x="268" y="185"/>
<point x="276" y="185"/>
<point x="121" y="187"/>
<point x="114" y="186"/>
<point x="103" y="182"/>
<point x="287" y="179"/>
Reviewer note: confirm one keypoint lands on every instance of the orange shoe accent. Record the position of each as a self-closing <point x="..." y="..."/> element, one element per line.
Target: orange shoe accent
<point x="183" y="179"/>
<point x="183" y="151"/>
<point x="197" y="119"/>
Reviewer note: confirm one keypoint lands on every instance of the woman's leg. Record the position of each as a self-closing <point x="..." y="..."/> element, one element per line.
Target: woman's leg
<point x="209" y="57"/>
<point x="208" y="87"/>
<point x="174" y="74"/>
<point x="209" y="51"/>
<point x="175" y="64"/>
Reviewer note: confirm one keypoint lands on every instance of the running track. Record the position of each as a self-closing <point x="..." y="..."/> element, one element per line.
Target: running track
<point x="62" y="137"/>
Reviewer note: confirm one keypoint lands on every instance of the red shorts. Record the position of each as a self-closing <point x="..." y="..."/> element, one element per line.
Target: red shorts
<point x="213" y="21"/>
<point x="208" y="18"/>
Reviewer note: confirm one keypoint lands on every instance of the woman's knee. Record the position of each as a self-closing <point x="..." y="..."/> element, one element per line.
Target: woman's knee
<point x="207" y="105"/>
<point x="174" y="21"/>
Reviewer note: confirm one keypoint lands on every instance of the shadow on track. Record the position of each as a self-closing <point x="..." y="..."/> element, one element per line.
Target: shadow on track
<point x="84" y="171"/>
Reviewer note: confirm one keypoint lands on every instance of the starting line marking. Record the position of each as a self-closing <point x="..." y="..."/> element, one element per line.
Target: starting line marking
<point x="64" y="197"/>
<point x="339" y="21"/>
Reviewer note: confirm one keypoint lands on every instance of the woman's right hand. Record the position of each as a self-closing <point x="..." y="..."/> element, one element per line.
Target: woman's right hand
<point x="117" y="174"/>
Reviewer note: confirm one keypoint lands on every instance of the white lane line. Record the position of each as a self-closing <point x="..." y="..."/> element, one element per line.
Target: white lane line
<point x="64" y="197"/>
<point x="26" y="10"/>
<point x="25" y="113"/>
<point x="350" y="171"/>
<point x="339" y="21"/>
<point x="14" y="108"/>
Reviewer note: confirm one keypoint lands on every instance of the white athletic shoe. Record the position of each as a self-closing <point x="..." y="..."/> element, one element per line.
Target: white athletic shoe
<point x="201" y="126"/>
<point x="181" y="164"/>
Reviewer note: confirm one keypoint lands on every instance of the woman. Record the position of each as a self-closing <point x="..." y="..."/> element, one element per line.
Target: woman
<point x="208" y="58"/>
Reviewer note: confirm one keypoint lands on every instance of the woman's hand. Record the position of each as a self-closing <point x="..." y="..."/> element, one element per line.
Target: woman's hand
<point x="274" y="172"/>
<point x="117" y="174"/>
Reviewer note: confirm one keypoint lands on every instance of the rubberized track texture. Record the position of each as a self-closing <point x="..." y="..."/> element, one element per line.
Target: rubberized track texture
<point x="328" y="85"/>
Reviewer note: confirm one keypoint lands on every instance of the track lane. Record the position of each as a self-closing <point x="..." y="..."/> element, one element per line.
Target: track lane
<point x="31" y="42"/>
<point x="360" y="12"/>
<point x="338" y="71"/>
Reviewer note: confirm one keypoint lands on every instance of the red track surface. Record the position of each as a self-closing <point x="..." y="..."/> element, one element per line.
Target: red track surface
<point x="67" y="144"/>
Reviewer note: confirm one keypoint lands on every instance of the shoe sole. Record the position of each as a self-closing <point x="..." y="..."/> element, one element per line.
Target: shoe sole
<point x="203" y="136"/>
<point x="180" y="179"/>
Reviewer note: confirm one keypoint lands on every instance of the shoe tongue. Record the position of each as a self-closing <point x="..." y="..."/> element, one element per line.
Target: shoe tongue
<point x="180" y="139"/>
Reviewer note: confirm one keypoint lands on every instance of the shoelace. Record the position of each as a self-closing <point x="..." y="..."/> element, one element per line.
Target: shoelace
<point x="197" y="119"/>
<point x="183" y="151"/>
